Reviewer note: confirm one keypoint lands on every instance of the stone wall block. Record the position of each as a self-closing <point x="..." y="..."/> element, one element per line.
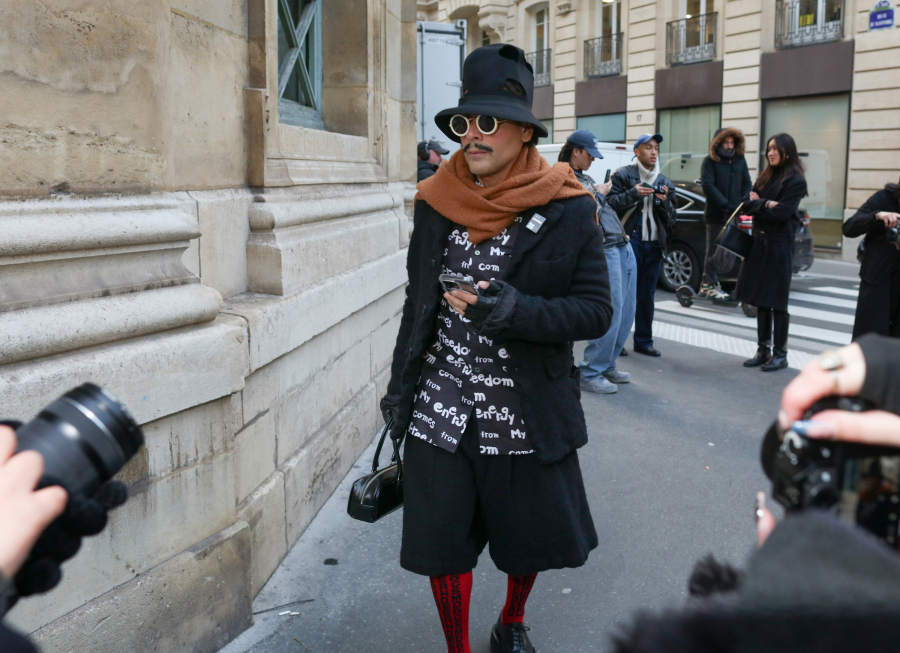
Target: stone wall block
<point x="162" y="517"/>
<point x="45" y="330"/>
<point x="279" y="325"/>
<point x="154" y="376"/>
<point x="263" y="510"/>
<point x="207" y="75"/>
<point x="305" y="410"/>
<point x="67" y="250"/>
<point x="272" y="383"/>
<point x="191" y="437"/>
<point x="194" y="603"/>
<point x="383" y="340"/>
<point x="224" y="231"/>
<point x="292" y="259"/>
<point x="254" y="453"/>
<point x="312" y="474"/>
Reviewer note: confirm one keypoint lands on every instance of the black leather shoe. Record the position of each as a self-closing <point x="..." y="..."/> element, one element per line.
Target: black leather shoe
<point x="623" y="352"/>
<point x="763" y="356"/>
<point x="510" y="638"/>
<point x="779" y="362"/>
<point x="647" y="351"/>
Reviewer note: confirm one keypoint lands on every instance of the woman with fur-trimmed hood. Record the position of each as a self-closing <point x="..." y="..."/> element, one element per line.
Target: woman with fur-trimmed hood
<point x="726" y="183"/>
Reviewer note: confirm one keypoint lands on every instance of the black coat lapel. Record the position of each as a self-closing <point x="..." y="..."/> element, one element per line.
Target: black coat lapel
<point x="527" y="239"/>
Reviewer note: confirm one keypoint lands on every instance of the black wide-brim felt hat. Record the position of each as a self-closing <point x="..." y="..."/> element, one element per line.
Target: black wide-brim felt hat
<point x="499" y="82"/>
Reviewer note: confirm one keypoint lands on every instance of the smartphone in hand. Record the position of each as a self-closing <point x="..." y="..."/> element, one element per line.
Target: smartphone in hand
<point x="608" y="175"/>
<point x="459" y="282"/>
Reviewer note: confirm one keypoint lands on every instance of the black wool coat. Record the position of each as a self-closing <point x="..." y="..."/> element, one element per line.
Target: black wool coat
<point x="765" y="278"/>
<point x="560" y="282"/>
<point x="880" y="259"/>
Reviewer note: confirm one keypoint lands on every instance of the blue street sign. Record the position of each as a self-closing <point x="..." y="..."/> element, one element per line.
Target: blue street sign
<point x="882" y="15"/>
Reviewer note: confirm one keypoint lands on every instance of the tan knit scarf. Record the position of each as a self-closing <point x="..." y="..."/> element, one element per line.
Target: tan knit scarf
<point x="453" y="192"/>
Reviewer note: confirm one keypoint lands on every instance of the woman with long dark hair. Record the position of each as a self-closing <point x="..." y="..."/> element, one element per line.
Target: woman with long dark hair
<point x="878" y="307"/>
<point x="765" y="279"/>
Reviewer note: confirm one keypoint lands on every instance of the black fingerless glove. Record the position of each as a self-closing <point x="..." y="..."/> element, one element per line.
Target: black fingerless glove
<point x="83" y="516"/>
<point x="389" y="406"/>
<point x="487" y="301"/>
<point x="494" y="309"/>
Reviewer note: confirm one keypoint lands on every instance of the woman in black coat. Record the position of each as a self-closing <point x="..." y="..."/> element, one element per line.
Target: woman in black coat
<point x="878" y="308"/>
<point x="765" y="279"/>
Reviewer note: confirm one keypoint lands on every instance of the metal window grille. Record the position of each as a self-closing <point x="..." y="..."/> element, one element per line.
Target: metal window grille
<point x="300" y="63"/>
<point x="540" y="62"/>
<point x="603" y="56"/>
<point x="802" y="22"/>
<point x="691" y="40"/>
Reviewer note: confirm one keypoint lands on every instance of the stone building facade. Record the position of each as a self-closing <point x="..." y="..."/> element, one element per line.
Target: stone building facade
<point x="621" y="68"/>
<point x="202" y="209"/>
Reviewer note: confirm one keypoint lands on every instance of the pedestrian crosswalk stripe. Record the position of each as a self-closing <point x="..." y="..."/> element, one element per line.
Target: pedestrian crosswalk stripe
<point x="797" y="330"/>
<point x="849" y="292"/>
<point x="823" y="299"/>
<point x="721" y="343"/>
<point x="822" y="316"/>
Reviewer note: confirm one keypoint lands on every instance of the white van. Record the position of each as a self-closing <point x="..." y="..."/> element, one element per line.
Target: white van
<point x="615" y="155"/>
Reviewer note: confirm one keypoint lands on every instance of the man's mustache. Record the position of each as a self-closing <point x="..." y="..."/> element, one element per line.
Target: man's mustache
<point x="478" y="146"/>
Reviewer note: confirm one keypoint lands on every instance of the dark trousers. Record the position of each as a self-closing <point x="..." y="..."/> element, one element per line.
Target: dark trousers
<point x="649" y="258"/>
<point x="764" y="318"/>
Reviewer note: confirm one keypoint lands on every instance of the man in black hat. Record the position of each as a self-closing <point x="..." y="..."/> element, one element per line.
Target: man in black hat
<point x="483" y="377"/>
<point x="429" y="158"/>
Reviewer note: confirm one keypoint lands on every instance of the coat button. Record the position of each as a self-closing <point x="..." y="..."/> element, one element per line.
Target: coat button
<point x="477" y="253"/>
<point x="477" y="370"/>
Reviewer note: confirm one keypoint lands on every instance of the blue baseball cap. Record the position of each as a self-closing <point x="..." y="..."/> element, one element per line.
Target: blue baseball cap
<point x="644" y="138"/>
<point x="585" y="140"/>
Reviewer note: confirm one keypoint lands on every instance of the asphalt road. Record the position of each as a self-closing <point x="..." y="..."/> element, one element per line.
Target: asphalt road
<point x="671" y="470"/>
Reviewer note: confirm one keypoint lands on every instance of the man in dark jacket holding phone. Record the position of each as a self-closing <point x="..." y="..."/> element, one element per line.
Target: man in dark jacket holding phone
<point x="642" y="198"/>
<point x="726" y="184"/>
<point x="484" y="386"/>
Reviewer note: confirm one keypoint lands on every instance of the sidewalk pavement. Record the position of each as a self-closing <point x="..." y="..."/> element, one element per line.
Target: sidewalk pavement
<point x="670" y="471"/>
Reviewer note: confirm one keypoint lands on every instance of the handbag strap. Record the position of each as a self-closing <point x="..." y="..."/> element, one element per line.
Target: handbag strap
<point x="384" y="432"/>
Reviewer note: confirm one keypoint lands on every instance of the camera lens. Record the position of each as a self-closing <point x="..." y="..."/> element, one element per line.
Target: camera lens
<point x="86" y="436"/>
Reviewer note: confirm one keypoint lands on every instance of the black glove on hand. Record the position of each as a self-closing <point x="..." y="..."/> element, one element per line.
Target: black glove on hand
<point x="82" y="517"/>
<point x="487" y="301"/>
<point x="389" y="405"/>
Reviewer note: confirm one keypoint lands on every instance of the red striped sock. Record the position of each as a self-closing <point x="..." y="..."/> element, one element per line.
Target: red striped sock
<point x="517" y="590"/>
<point x="452" y="594"/>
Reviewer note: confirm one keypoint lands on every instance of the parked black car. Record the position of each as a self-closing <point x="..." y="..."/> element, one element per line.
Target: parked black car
<point x="684" y="264"/>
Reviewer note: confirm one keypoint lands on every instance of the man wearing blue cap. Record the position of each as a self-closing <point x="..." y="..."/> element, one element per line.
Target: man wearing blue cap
<point x="598" y="369"/>
<point x="642" y="198"/>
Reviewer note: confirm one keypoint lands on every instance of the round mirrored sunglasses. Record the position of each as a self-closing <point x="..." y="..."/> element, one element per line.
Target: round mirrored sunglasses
<point x="487" y="125"/>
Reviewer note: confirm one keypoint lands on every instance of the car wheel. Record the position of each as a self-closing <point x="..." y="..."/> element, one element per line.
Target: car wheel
<point x="681" y="267"/>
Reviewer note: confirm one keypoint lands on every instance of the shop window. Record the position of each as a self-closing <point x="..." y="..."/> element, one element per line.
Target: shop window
<point x="686" y="134"/>
<point x="609" y="128"/>
<point x="300" y="63"/>
<point x="820" y="127"/>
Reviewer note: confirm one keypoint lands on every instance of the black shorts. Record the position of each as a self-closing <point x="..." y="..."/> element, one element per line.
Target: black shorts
<point x="535" y="517"/>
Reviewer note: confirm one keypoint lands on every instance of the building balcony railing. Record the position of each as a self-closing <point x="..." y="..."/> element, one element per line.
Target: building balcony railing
<point x="540" y="62"/>
<point x="603" y="56"/>
<point x="802" y="22"/>
<point x="691" y="40"/>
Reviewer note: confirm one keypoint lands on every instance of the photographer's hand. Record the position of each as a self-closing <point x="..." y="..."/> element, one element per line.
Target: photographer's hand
<point x="889" y="219"/>
<point x="24" y="513"/>
<point x="816" y="382"/>
<point x="662" y="196"/>
<point x="643" y="191"/>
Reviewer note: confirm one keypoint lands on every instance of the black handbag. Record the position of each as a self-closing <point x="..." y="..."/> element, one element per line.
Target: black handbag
<point x="380" y="493"/>
<point x="734" y="240"/>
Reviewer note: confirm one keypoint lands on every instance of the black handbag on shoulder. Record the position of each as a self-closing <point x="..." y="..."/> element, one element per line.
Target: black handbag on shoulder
<point x="380" y="493"/>
<point x="734" y="240"/>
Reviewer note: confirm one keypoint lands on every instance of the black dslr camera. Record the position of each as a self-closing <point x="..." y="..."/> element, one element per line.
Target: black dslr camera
<point x="858" y="482"/>
<point x="891" y="234"/>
